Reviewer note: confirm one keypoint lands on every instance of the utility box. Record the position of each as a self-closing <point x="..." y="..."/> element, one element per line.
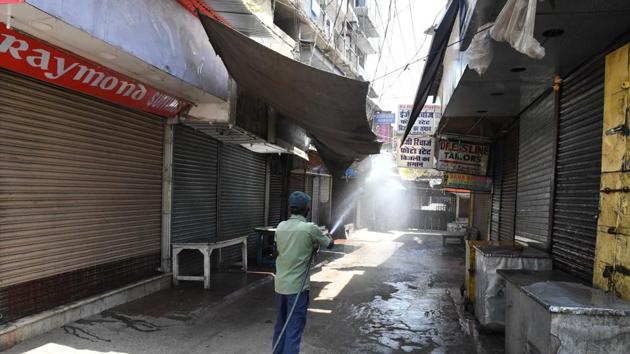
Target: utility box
<point x="549" y="312"/>
<point x="490" y="287"/>
<point x="469" y="290"/>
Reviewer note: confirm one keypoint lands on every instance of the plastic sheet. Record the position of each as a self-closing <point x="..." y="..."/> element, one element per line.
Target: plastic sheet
<point x="178" y="44"/>
<point x="490" y="297"/>
<point x="481" y="51"/>
<point x="515" y="25"/>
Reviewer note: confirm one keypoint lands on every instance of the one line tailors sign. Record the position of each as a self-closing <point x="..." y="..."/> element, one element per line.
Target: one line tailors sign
<point x="416" y="153"/>
<point x="469" y="182"/>
<point x="463" y="157"/>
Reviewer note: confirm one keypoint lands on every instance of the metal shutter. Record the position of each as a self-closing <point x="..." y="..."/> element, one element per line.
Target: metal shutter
<point x="242" y="196"/>
<point x="277" y="189"/>
<point x="535" y="172"/>
<point x="80" y="181"/>
<point x="275" y="199"/>
<point x="497" y="177"/>
<point x="195" y="158"/>
<point x="508" y="185"/>
<point x="578" y="170"/>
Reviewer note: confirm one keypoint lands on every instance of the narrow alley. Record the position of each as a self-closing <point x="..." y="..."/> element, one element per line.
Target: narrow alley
<point x="376" y="293"/>
<point x="168" y="170"/>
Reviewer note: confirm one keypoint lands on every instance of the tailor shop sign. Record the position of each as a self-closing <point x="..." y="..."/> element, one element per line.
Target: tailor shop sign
<point x="469" y="182"/>
<point x="427" y="121"/>
<point x="28" y="56"/>
<point x="463" y="157"/>
<point x="416" y="153"/>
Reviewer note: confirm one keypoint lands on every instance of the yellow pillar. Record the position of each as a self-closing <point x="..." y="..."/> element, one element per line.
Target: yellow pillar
<point x="612" y="254"/>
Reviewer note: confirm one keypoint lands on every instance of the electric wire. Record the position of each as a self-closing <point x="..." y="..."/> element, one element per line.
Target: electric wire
<point x="423" y="58"/>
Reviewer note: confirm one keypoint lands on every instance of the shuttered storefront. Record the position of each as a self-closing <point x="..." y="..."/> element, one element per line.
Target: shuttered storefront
<point x="80" y="196"/>
<point x="277" y="193"/>
<point x="509" y="167"/>
<point x="578" y="170"/>
<point x="497" y="177"/>
<point x="195" y="159"/>
<point x="242" y="197"/>
<point x="535" y="172"/>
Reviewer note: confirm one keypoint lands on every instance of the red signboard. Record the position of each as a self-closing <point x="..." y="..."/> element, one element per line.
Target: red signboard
<point x="10" y="1"/>
<point x="29" y="56"/>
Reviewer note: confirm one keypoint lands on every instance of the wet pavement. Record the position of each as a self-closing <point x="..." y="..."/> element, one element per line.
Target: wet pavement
<point x="375" y="293"/>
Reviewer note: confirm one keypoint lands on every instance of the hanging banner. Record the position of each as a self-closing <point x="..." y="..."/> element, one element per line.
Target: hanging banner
<point x="28" y="56"/>
<point x="469" y="182"/>
<point x="384" y="132"/>
<point x="463" y="157"/>
<point x="427" y="121"/>
<point x="416" y="153"/>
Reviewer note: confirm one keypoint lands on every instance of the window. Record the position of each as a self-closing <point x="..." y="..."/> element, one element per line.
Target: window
<point x="316" y="9"/>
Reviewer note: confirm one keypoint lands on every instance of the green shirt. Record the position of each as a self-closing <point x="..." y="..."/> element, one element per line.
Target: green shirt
<point x="295" y="240"/>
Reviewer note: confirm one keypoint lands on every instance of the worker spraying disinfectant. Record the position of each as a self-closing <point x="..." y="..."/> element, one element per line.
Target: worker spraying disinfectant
<point x="296" y="242"/>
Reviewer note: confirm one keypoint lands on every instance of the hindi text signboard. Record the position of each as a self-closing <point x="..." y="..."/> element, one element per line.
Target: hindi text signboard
<point x="427" y="121"/>
<point x="416" y="153"/>
<point x="469" y="182"/>
<point x="463" y="157"/>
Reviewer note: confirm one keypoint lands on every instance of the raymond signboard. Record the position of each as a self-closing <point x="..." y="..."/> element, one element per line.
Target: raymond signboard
<point x="469" y="182"/>
<point x="28" y="56"/>
<point x="463" y="157"/>
<point x="427" y="121"/>
<point x="416" y="153"/>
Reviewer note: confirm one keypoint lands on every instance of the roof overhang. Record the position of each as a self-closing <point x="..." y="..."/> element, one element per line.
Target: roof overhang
<point x="590" y="29"/>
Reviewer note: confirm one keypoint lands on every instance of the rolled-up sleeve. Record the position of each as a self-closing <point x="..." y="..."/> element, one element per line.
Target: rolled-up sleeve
<point x="318" y="236"/>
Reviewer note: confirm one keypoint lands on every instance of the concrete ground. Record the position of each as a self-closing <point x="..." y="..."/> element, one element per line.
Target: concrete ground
<point x="376" y="293"/>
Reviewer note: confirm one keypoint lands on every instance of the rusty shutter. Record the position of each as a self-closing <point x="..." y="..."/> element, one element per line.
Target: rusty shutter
<point x="80" y="183"/>
<point x="535" y="172"/>
<point x="509" y="168"/>
<point x="195" y="159"/>
<point x="242" y="196"/>
<point x="578" y="170"/>
<point x="497" y="177"/>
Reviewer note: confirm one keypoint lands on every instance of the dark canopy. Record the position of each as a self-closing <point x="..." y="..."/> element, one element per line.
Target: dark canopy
<point x="434" y="63"/>
<point x="331" y="108"/>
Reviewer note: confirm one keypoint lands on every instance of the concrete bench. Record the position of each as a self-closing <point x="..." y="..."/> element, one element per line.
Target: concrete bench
<point x="206" y="250"/>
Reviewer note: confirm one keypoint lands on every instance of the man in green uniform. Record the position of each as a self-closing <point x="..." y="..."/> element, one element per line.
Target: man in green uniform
<point x="296" y="240"/>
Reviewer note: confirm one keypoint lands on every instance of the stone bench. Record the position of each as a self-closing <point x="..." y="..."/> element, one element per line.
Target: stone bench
<point x="552" y="312"/>
<point x="206" y="250"/>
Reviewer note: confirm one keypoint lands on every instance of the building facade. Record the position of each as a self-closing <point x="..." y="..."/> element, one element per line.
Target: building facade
<point x="555" y="146"/>
<point x="113" y="149"/>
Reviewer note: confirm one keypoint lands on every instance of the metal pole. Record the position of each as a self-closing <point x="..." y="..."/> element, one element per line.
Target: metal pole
<point x="167" y="195"/>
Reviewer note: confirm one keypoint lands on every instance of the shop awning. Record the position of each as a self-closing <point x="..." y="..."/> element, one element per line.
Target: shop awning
<point x="331" y="108"/>
<point x="434" y="62"/>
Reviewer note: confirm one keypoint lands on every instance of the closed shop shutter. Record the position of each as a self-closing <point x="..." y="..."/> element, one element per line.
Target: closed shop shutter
<point x="535" y="172"/>
<point x="509" y="169"/>
<point x="297" y="182"/>
<point x="275" y="198"/>
<point x="80" y="195"/>
<point x="578" y="170"/>
<point x="195" y="158"/>
<point x="242" y="197"/>
<point x="497" y="177"/>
